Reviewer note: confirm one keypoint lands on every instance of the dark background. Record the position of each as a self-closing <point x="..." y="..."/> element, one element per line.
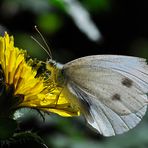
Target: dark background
<point x="123" y="25"/>
<point x="124" y="28"/>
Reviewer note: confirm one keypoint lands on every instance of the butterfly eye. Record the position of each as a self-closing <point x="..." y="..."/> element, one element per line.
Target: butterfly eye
<point x="52" y="63"/>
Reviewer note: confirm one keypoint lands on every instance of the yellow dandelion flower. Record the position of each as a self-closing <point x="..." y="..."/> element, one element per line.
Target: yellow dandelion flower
<point x="22" y="85"/>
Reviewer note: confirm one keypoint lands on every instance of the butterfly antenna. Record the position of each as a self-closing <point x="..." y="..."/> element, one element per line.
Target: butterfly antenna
<point x="41" y="46"/>
<point x="46" y="48"/>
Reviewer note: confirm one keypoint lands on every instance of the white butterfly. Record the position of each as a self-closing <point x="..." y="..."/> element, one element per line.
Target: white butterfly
<point x="111" y="90"/>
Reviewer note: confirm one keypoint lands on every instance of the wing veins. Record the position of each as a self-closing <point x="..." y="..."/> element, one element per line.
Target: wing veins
<point x="118" y="116"/>
<point x="80" y="94"/>
<point x="85" y="90"/>
<point x="129" y="74"/>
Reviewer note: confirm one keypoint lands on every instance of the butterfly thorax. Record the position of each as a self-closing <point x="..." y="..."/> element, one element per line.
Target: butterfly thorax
<point x="55" y="72"/>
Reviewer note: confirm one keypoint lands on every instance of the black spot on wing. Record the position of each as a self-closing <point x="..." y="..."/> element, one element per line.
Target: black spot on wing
<point x="127" y="82"/>
<point x="116" y="97"/>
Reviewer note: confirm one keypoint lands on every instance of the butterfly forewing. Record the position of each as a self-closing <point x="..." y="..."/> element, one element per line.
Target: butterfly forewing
<point x="114" y="85"/>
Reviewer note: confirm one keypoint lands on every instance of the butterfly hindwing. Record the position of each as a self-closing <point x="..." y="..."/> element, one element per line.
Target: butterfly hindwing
<point x="103" y="119"/>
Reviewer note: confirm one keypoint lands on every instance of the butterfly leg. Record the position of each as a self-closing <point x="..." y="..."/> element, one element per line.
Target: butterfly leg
<point x="57" y="97"/>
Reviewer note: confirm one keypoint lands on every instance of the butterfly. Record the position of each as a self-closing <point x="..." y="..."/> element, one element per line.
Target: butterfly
<point x="111" y="90"/>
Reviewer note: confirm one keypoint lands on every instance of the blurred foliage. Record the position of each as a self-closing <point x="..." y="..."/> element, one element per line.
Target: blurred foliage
<point x="49" y="22"/>
<point x="25" y="41"/>
<point x="97" y="5"/>
<point x="124" y="30"/>
<point x="7" y="130"/>
<point x="61" y="132"/>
